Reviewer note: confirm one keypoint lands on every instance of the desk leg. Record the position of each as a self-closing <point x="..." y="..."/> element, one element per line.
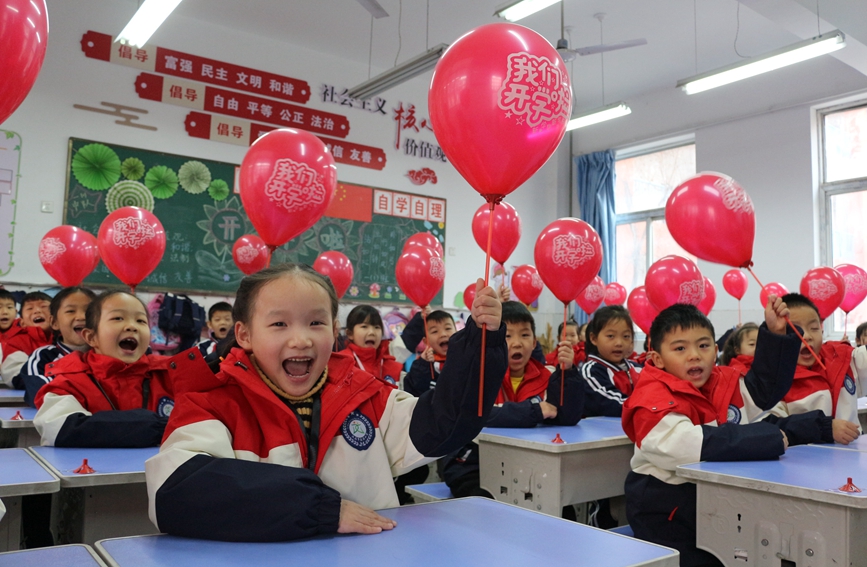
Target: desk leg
<point x="28" y="437"/>
<point x="10" y="525"/>
<point x="749" y="527"/>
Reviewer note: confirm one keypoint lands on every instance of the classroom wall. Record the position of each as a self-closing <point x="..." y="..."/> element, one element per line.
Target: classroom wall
<point x="46" y="120"/>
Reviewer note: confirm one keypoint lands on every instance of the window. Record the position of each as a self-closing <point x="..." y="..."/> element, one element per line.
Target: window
<point x="642" y="186"/>
<point x="844" y="187"/>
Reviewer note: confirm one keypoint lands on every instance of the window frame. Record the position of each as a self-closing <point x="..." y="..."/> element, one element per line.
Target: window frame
<point x="648" y="216"/>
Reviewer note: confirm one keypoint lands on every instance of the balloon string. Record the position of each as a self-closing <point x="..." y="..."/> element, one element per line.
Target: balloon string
<point x="132" y="289"/>
<point x="271" y="249"/>
<point x="426" y="340"/>
<point x="739" y="313"/>
<point x="789" y="321"/>
<point x="563" y="364"/>
<point x="484" y="326"/>
<point x="845" y="321"/>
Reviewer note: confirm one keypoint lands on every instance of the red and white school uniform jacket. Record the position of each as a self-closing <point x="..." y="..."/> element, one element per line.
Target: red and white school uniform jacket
<point x="606" y="385"/>
<point x="552" y="358"/>
<point x="376" y="361"/>
<point x="95" y="400"/>
<point x="13" y="330"/>
<point x="18" y="348"/>
<point x="236" y="463"/>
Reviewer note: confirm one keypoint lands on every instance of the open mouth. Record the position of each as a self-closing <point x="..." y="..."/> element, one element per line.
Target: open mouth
<point x="369" y="343"/>
<point x="38" y="319"/>
<point x="297" y="367"/>
<point x="77" y="329"/>
<point x="128" y="345"/>
<point x="695" y="372"/>
<point x="223" y="331"/>
<point x="516" y="356"/>
<point x="805" y="352"/>
<point x="444" y="344"/>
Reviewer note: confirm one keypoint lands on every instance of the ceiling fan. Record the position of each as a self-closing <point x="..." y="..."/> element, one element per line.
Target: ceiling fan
<point x="570" y="54"/>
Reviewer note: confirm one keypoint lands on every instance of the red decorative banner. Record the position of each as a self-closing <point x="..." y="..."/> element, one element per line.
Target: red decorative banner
<point x="176" y="63"/>
<point x="244" y="133"/>
<point x="240" y="105"/>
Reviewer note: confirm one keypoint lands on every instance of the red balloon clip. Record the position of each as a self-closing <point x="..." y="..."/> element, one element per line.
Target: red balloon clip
<point x="17" y="416"/>
<point x="85" y="468"/>
<point x="557" y="439"/>
<point x="849" y="487"/>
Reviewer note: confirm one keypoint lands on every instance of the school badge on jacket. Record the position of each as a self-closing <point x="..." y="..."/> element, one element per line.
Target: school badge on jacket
<point x="358" y="430"/>
<point x="165" y="406"/>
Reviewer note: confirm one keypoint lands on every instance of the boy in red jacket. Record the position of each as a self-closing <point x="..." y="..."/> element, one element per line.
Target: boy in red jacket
<point x="31" y="331"/>
<point x="679" y="414"/>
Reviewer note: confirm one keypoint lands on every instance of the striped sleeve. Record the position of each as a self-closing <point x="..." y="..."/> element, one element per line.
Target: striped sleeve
<point x="601" y="396"/>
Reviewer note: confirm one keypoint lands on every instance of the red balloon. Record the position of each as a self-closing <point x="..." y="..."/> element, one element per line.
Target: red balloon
<point x="131" y="243"/>
<point x="499" y="102"/>
<point x="251" y="254"/>
<point x="673" y="279"/>
<point x="68" y="254"/>
<point x="735" y="283"/>
<point x="288" y="178"/>
<point x="615" y="294"/>
<point x="420" y="274"/>
<point x="506" y="232"/>
<point x="335" y="265"/>
<point x="709" y="297"/>
<point x="642" y="311"/>
<point x="712" y="217"/>
<point x="856" y="286"/>
<point x="591" y="296"/>
<point x="23" y="39"/>
<point x="775" y="288"/>
<point x="825" y="287"/>
<point x="568" y="256"/>
<point x="526" y="284"/>
<point x="425" y="239"/>
<point x="469" y="296"/>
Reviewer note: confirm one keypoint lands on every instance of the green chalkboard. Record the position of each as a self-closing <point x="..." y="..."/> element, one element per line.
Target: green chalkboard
<point x="203" y="216"/>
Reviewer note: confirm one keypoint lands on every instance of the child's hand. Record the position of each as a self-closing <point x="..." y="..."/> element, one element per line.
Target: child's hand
<point x="775" y="315"/>
<point x="505" y="293"/>
<point x="428" y="354"/>
<point x="785" y="441"/>
<point x="845" y="339"/>
<point x="358" y="519"/>
<point x="565" y="355"/>
<point x="487" y="309"/>
<point x="844" y="431"/>
<point x="427" y="310"/>
<point x="549" y="411"/>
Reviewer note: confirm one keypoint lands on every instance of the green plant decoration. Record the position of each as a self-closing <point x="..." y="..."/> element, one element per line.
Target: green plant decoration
<point x="162" y="181"/>
<point x="96" y="167"/>
<point x="132" y="168"/>
<point x="195" y="177"/>
<point x="218" y="190"/>
<point x="129" y="194"/>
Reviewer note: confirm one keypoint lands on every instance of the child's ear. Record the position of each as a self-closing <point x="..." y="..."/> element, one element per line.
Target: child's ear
<point x="657" y="360"/>
<point x="592" y="338"/>
<point x="242" y="336"/>
<point x="54" y="324"/>
<point x="89" y="336"/>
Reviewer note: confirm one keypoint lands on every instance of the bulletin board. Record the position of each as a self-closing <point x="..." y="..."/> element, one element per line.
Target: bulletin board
<point x="197" y="202"/>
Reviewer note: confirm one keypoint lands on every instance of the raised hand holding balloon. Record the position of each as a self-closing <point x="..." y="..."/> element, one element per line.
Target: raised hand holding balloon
<point x="131" y="242"/>
<point x="568" y="255"/>
<point x="712" y="217"/>
<point x="69" y="254"/>
<point x="735" y="283"/>
<point x="499" y="102"/>
<point x="251" y="254"/>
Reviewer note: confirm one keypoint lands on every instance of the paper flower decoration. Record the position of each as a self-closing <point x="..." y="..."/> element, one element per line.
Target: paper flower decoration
<point x="132" y="168"/>
<point x="218" y="190"/>
<point x="129" y="194"/>
<point x="194" y="177"/>
<point x="96" y="167"/>
<point x="162" y="181"/>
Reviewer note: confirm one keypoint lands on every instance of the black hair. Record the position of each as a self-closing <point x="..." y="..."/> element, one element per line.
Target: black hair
<point x="601" y="318"/>
<point x="582" y="327"/>
<point x="362" y="314"/>
<point x="678" y="316"/>
<point x="94" y="310"/>
<point x="516" y="312"/>
<point x="219" y="307"/>
<point x="862" y="328"/>
<point x="58" y="299"/>
<point x="439" y="316"/>
<point x="6" y="294"/>
<point x="569" y="323"/>
<point x="798" y="300"/>
<point x="733" y="344"/>
<point x="34" y="296"/>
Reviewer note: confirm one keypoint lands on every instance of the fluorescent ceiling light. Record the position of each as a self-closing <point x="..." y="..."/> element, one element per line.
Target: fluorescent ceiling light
<point x="609" y="112"/>
<point x="795" y="53"/>
<point x="515" y="11"/>
<point x="397" y="75"/>
<point x="150" y="15"/>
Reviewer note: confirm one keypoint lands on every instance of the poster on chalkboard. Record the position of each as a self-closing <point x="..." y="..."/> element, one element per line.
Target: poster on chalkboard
<point x="198" y="203"/>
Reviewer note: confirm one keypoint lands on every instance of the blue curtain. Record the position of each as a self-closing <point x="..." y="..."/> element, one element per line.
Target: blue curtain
<point x="594" y="178"/>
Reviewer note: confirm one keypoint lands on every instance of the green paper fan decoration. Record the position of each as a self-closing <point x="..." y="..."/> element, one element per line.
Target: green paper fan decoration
<point x="194" y="177"/>
<point x="218" y="190"/>
<point x="162" y="181"/>
<point x="96" y="167"/>
<point x="128" y="193"/>
<point x="132" y="168"/>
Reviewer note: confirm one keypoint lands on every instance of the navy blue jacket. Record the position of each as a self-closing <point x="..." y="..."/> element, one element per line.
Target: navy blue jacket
<point x="32" y="376"/>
